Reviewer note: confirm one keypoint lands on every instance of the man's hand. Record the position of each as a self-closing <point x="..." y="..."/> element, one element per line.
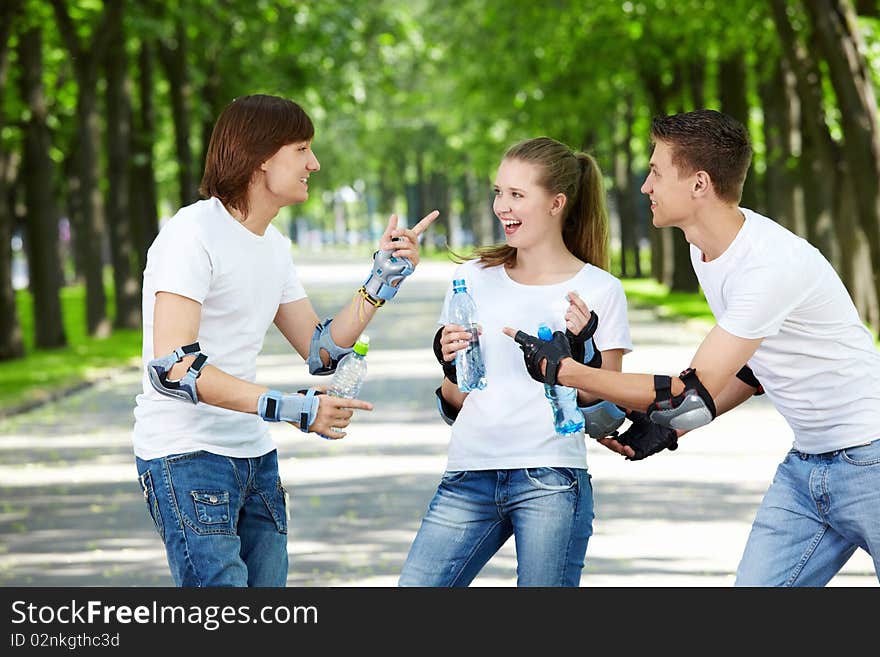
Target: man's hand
<point x="644" y="438"/>
<point x="334" y="414"/>
<point x="542" y="357"/>
<point x="403" y="242"/>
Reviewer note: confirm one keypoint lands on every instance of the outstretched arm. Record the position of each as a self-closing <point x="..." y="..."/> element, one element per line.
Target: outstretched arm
<point x="297" y="320"/>
<point x="176" y="321"/>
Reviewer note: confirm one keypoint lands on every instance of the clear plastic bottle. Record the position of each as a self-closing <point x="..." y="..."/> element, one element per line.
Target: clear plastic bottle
<point x="563" y="400"/>
<point x="469" y="367"/>
<point x="351" y="371"/>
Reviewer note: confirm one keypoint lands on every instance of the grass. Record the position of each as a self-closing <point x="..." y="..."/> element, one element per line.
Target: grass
<point x="44" y="373"/>
<point x="646" y="292"/>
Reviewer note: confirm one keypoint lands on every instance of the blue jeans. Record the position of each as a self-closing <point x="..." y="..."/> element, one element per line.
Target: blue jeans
<point x="549" y="511"/>
<point x="223" y="520"/>
<point x="817" y="511"/>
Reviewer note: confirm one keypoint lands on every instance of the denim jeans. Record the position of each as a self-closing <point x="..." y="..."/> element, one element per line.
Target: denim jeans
<point x="549" y="512"/>
<point x="223" y="520"/>
<point x="819" y="509"/>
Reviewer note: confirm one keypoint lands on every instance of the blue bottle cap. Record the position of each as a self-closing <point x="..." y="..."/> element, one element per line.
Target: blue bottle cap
<point x="544" y="333"/>
<point x="458" y="284"/>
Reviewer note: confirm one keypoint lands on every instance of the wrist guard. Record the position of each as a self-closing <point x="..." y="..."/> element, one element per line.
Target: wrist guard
<point x="583" y="346"/>
<point x="385" y="277"/>
<point x="536" y="350"/>
<point x="646" y="437"/>
<point x="274" y="406"/>
<point x="447" y="365"/>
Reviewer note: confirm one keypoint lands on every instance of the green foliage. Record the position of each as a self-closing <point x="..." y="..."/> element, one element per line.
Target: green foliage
<point x="47" y="372"/>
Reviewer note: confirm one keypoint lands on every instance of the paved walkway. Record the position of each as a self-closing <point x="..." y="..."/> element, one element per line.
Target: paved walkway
<point x="72" y="514"/>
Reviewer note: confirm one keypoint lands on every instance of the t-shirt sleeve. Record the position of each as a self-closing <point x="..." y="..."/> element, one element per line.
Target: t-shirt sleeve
<point x="293" y="289"/>
<point x="760" y="298"/>
<point x="180" y="263"/>
<point x="613" y="331"/>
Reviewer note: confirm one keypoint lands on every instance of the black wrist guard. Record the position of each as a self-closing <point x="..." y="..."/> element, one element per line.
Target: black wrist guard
<point x="536" y="350"/>
<point x="646" y="437"/>
<point x="447" y="365"/>
<point x="583" y="346"/>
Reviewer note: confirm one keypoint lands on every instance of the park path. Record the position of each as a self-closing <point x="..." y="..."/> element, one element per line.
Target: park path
<point x="72" y="513"/>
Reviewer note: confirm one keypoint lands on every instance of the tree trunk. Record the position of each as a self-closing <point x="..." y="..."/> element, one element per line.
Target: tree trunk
<point x="733" y="89"/>
<point x="126" y="285"/>
<point x="174" y="58"/>
<point x="42" y="218"/>
<point x="11" y="344"/>
<point x="781" y="119"/>
<point x="89" y="225"/>
<point x="835" y="24"/>
<point x="624" y="194"/>
<point x="143" y="178"/>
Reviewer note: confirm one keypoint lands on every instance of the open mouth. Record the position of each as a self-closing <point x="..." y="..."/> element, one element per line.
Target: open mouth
<point x="510" y="226"/>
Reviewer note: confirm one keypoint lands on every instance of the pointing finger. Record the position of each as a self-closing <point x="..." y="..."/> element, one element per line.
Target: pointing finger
<point x="420" y="227"/>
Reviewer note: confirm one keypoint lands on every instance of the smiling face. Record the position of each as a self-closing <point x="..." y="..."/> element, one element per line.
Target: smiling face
<point x="286" y="173"/>
<point x="525" y="208"/>
<point x="670" y="191"/>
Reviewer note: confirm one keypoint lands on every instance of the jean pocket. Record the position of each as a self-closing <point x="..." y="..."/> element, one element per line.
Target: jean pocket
<point x="863" y="454"/>
<point x="146" y="480"/>
<point x="212" y="511"/>
<point x="552" y="478"/>
<point x="453" y="476"/>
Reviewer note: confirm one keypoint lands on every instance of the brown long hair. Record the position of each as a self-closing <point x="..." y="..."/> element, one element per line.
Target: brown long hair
<point x="248" y="132"/>
<point x="585" y="218"/>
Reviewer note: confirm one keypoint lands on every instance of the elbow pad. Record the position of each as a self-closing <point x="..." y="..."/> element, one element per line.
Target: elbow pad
<point x="691" y="409"/>
<point x="447" y="411"/>
<point x="184" y="388"/>
<point x="748" y="377"/>
<point x="321" y="339"/>
<point x="602" y="418"/>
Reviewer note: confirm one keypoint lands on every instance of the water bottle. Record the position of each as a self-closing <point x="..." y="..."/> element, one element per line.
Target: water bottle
<point x="469" y="367"/>
<point x="563" y="400"/>
<point x="351" y="371"/>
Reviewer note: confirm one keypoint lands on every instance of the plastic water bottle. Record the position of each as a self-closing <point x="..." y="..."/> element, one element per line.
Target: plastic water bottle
<point x="351" y="371"/>
<point x="469" y="367"/>
<point x="563" y="400"/>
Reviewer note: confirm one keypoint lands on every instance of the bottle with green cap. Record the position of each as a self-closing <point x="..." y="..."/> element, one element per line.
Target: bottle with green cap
<point x="351" y="371"/>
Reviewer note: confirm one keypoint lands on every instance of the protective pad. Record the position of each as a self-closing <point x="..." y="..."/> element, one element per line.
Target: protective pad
<point x="447" y="365"/>
<point x="535" y="350"/>
<point x="274" y="406"/>
<point x="602" y="418"/>
<point x="446" y="410"/>
<point x="386" y="275"/>
<point x="691" y="409"/>
<point x="583" y="346"/>
<point x="646" y="438"/>
<point x="184" y="388"/>
<point x="748" y="377"/>
<point x="321" y="339"/>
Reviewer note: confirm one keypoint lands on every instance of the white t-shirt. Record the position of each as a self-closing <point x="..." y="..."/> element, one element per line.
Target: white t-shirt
<point x="509" y="423"/>
<point x="240" y="279"/>
<point x="817" y="362"/>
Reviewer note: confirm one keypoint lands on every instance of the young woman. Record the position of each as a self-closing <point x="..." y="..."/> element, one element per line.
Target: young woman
<point x="508" y="471"/>
<point x="217" y="275"/>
